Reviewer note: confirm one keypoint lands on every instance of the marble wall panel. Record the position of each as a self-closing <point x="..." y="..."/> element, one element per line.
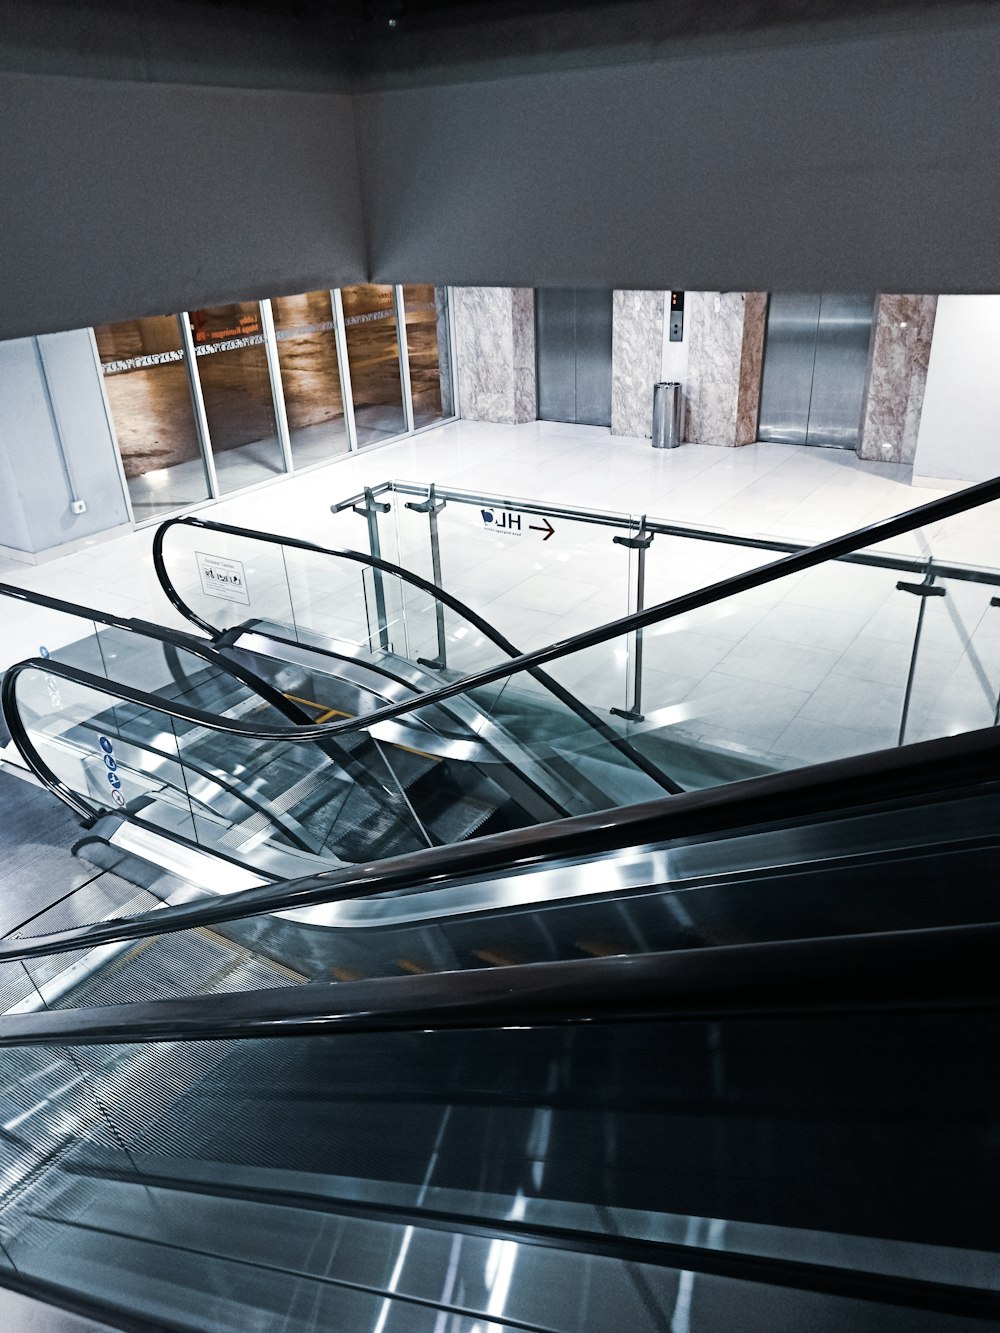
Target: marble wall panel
<point x="636" y="351"/>
<point x="751" y="366"/>
<point x="897" y="374"/>
<point x="523" y="333"/>
<point x="717" y="321"/>
<point x="495" y="353"/>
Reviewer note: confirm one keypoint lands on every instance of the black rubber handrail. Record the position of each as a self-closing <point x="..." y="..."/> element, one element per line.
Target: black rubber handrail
<point x="175" y="640"/>
<point x="172" y="638"/>
<point x="942" y="967"/>
<point x="947" y="507"/>
<point x="566" y="697"/>
<point x="948" y="766"/>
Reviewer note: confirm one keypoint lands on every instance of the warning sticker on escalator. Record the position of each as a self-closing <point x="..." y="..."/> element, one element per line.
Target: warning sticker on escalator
<point x="222" y="577"/>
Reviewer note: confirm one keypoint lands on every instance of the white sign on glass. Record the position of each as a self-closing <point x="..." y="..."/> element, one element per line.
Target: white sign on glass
<point x="222" y="577"/>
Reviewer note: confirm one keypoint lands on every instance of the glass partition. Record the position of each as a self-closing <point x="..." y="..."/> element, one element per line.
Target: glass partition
<point x="236" y="388"/>
<point x="149" y="393"/>
<point x="373" y="351"/>
<point x="428" y="349"/>
<point x="310" y="376"/>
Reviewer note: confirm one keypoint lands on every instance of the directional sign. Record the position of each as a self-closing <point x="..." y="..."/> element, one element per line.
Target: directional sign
<point x="509" y="523"/>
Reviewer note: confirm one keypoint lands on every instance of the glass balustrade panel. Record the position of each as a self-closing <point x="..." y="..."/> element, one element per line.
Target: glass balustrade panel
<point x="39" y="631"/>
<point x="536" y="579"/>
<point x="954" y="685"/>
<point x="117" y="757"/>
<point x="228" y="580"/>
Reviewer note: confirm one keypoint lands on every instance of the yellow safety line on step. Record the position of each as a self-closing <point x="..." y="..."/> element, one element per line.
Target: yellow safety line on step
<point x="311" y="703"/>
<point x="339" y="712"/>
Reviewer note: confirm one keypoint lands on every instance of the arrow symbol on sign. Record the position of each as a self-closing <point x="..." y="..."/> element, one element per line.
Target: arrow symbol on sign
<point x="548" y="529"/>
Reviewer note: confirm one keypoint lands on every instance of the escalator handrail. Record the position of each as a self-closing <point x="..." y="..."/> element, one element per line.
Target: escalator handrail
<point x="940" y="967"/>
<point x="173" y="638"/>
<point x="960" y="502"/>
<point x="559" y="691"/>
<point x="955" y="764"/>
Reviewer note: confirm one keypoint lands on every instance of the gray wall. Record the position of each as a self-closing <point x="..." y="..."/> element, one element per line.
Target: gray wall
<point x="122" y="199"/>
<point x="829" y="162"/>
<point x="35" y="491"/>
<point x="841" y="157"/>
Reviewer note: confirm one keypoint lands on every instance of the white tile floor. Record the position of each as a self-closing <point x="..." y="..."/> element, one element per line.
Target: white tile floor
<point x="806" y="669"/>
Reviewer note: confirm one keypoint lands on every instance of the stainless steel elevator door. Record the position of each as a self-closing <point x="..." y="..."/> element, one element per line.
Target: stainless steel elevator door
<point x="815" y="363"/>
<point x="573" y="354"/>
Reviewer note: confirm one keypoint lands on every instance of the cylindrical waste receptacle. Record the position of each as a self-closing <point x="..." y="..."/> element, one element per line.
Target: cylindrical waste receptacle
<point x="668" y="414"/>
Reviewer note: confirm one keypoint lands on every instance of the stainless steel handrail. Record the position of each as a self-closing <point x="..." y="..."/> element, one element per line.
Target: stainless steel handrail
<point x="665" y="528"/>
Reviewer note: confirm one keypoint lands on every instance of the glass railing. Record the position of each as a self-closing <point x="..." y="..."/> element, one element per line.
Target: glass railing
<point x="225" y="579"/>
<point x="780" y="665"/>
<point x="238" y="584"/>
<point x="743" y="663"/>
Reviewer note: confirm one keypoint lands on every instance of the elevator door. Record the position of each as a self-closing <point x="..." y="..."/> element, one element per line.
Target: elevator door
<point x="815" y="363"/>
<point x="573" y="354"/>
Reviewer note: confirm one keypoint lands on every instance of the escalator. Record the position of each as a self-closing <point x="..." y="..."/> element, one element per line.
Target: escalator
<point x="721" y="1059"/>
<point x="772" y="1126"/>
<point x="205" y="749"/>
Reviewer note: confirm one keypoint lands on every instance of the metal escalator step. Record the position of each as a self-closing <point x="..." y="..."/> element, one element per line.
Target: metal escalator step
<point x="195" y="962"/>
<point x="461" y="820"/>
<point x="261" y="820"/>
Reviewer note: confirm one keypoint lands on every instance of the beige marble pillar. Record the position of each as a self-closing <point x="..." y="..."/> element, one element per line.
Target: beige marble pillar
<point x="726" y="349"/>
<point x="636" y="351"/>
<point x="495" y="353"/>
<point x="897" y="373"/>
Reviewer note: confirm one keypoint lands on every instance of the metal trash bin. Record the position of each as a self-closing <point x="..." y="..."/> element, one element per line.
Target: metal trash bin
<point x="668" y="414"/>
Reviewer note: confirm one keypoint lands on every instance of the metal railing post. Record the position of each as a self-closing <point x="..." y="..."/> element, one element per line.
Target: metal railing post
<point x="432" y="507"/>
<point x="640" y="544"/>
<point x="370" y="511"/>
<point x="922" y="590"/>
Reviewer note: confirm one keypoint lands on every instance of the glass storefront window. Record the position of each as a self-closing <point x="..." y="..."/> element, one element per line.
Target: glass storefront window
<point x="310" y="376"/>
<point x="373" y="351"/>
<point x="236" y="388"/>
<point x="428" y="347"/>
<point x="150" y="398"/>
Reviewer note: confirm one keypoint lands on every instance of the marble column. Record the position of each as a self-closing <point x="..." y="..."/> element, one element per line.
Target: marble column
<point x="726" y="331"/>
<point x="897" y="373"/>
<point x="495" y="353"/>
<point x="636" y="351"/>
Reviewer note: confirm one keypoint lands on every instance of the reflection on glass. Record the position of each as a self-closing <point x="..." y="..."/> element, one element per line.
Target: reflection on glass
<point x="236" y="387"/>
<point x="428" y="350"/>
<point x="373" y="349"/>
<point x="147" y="386"/>
<point x="310" y="377"/>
